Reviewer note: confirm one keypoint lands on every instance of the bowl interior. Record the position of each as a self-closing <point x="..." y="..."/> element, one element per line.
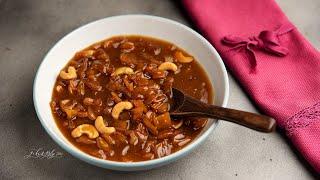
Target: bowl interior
<point x="86" y="35"/>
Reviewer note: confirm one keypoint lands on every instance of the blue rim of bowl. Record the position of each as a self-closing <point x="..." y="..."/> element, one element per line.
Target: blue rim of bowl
<point x="141" y="164"/>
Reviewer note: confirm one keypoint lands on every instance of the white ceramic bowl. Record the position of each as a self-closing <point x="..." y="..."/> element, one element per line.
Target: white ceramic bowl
<point x="86" y="35"/>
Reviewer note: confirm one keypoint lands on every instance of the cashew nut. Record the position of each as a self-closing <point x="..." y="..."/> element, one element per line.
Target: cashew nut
<point x="123" y="70"/>
<point x="102" y="144"/>
<point x="102" y="128"/>
<point x="71" y="74"/>
<point x="87" y="129"/>
<point x="118" y="108"/>
<point x="168" y="66"/>
<point x="183" y="59"/>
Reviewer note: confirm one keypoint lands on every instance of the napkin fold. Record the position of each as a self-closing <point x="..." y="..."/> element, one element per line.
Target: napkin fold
<point x="277" y="67"/>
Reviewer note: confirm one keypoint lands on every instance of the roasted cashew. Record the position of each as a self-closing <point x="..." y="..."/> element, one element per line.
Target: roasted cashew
<point x="168" y="66"/>
<point x="71" y="74"/>
<point x="102" y="128"/>
<point x="181" y="58"/>
<point x="87" y="129"/>
<point x="102" y="144"/>
<point x="123" y="70"/>
<point x="118" y="108"/>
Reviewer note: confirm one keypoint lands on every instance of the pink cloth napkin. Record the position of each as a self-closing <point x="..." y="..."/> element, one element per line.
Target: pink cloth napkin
<point x="275" y="64"/>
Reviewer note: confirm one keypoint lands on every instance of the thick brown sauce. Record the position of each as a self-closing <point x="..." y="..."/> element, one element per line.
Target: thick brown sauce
<point x="192" y="79"/>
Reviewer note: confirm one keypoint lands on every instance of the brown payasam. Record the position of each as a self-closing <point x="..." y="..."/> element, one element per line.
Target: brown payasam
<point x="112" y="100"/>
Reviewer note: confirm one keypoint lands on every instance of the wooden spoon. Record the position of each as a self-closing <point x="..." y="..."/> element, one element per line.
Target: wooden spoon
<point x="186" y="106"/>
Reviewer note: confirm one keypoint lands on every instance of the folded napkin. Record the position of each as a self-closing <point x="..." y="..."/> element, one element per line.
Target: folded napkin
<point x="274" y="63"/>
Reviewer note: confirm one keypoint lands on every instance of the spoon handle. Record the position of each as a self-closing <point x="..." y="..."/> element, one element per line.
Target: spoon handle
<point x="251" y="120"/>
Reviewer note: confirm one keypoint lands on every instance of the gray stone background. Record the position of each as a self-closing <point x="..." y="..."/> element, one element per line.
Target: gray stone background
<point x="29" y="28"/>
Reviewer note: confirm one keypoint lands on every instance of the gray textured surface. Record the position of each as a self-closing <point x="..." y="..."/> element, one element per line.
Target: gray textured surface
<point x="28" y="29"/>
